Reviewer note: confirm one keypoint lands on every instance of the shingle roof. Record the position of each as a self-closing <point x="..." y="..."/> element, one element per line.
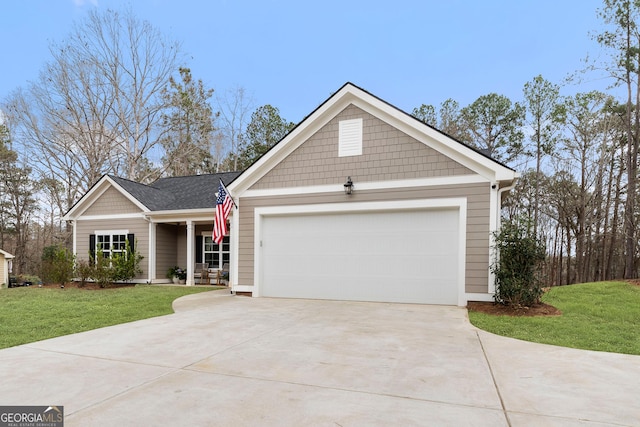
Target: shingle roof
<point x="175" y="193"/>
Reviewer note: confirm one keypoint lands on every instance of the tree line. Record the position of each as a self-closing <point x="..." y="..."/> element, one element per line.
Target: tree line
<point x="116" y="97"/>
<point x="577" y="154"/>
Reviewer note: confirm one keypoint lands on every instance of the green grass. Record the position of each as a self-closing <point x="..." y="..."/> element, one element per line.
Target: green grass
<point x="603" y="316"/>
<point x="33" y="314"/>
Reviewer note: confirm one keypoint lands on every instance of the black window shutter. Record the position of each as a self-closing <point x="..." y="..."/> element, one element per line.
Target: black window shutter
<point x="92" y="248"/>
<point x="132" y="242"/>
<point x="199" y="257"/>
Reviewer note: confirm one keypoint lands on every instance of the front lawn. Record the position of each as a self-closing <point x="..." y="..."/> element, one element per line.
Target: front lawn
<point x="603" y="316"/>
<point x="33" y="314"/>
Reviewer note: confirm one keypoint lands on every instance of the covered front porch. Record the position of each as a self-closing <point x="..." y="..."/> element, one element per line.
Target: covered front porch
<point x="186" y="243"/>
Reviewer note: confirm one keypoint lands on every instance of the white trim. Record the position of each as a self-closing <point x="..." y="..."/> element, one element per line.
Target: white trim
<point x="151" y="265"/>
<point x="95" y="193"/>
<point x="190" y="255"/>
<point x="244" y="288"/>
<point x="140" y="215"/>
<point x="110" y="232"/>
<point x="479" y="297"/>
<point x="349" y="94"/>
<point x="74" y="224"/>
<point x="459" y="203"/>
<point x="6" y="254"/>
<point x="365" y="186"/>
<point x="234" y="249"/>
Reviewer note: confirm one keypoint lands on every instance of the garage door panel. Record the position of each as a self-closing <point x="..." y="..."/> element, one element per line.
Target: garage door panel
<point x="394" y="256"/>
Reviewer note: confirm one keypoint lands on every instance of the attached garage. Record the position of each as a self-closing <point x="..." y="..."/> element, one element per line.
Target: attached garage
<point x="410" y="252"/>
<point x="362" y="202"/>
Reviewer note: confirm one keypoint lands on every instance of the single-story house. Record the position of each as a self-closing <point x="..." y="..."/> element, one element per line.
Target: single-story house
<point x="169" y="222"/>
<point x="5" y="268"/>
<point x="360" y="201"/>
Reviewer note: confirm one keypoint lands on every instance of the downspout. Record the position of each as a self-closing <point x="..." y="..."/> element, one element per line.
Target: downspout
<point x="499" y="207"/>
<point x="498" y="222"/>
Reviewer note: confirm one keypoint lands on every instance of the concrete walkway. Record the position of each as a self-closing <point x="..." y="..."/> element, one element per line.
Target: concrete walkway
<point x="223" y="360"/>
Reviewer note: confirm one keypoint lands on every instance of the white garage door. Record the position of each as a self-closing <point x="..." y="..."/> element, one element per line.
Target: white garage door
<point x="393" y="256"/>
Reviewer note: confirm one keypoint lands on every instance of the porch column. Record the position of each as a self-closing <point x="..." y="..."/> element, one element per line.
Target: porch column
<point x="152" y="252"/>
<point x="190" y="246"/>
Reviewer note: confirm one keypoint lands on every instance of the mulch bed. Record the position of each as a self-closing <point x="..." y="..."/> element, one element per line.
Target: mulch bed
<point x="541" y="309"/>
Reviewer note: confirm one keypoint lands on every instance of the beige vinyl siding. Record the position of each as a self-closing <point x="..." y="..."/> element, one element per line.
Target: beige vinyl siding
<point x="111" y="202"/>
<point x="139" y="227"/>
<point x="388" y="154"/>
<point x="171" y="246"/>
<point x="477" y="246"/>
<point x="166" y="249"/>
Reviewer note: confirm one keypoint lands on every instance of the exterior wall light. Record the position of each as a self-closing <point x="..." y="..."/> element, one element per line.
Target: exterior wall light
<point x="348" y="186"/>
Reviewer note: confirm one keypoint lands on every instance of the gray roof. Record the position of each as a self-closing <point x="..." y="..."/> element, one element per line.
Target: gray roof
<point x="180" y="192"/>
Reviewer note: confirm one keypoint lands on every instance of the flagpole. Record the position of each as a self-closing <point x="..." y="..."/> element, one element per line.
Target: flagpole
<point x="227" y="191"/>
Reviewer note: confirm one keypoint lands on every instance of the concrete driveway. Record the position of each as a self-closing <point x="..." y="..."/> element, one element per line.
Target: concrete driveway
<point x="233" y="361"/>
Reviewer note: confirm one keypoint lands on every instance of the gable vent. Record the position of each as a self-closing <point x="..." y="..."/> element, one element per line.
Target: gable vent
<point x="350" y="138"/>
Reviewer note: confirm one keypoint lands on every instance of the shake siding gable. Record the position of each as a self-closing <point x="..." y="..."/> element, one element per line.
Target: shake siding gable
<point x="387" y="154"/>
<point x="111" y="202"/>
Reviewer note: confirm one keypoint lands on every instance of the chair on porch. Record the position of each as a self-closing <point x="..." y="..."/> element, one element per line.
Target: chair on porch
<point x="201" y="272"/>
<point x="223" y="274"/>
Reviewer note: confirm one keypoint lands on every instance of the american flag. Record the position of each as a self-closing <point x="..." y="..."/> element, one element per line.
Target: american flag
<point x="224" y="203"/>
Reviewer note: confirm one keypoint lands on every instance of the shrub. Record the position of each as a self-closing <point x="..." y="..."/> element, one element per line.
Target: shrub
<point x="57" y="264"/>
<point x="101" y="271"/>
<point x="118" y="268"/>
<point x="125" y="267"/>
<point x="518" y="256"/>
<point x="178" y="272"/>
<point x="84" y="271"/>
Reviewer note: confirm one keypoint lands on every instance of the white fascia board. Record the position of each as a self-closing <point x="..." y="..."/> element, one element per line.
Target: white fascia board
<point x="349" y="94"/>
<point x="7" y="255"/>
<point x="94" y="193"/>
<point x="204" y="214"/>
<point x="365" y="186"/>
<point x="293" y="140"/>
<point x="140" y="215"/>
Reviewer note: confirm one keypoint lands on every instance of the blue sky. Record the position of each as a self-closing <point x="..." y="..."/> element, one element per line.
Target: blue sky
<point x="294" y="54"/>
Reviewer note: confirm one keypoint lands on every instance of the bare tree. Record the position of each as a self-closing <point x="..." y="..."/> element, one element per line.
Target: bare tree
<point x="17" y="203"/>
<point x="235" y="108"/>
<point x="96" y="106"/>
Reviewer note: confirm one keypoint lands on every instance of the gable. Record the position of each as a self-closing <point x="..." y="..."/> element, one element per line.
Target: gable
<point x="111" y="202"/>
<point x="387" y="154"/>
<point x="388" y="129"/>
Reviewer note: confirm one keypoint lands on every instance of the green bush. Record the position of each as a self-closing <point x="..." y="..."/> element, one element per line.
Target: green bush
<point x="518" y="258"/>
<point x="84" y="271"/>
<point x="121" y="267"/>
<point x="125" y="267"/>
<point x="57" y="264"/>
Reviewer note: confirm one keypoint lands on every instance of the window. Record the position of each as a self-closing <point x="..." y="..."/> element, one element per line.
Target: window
<point x="215" y="255"/>
<point x="110" y="242"/>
